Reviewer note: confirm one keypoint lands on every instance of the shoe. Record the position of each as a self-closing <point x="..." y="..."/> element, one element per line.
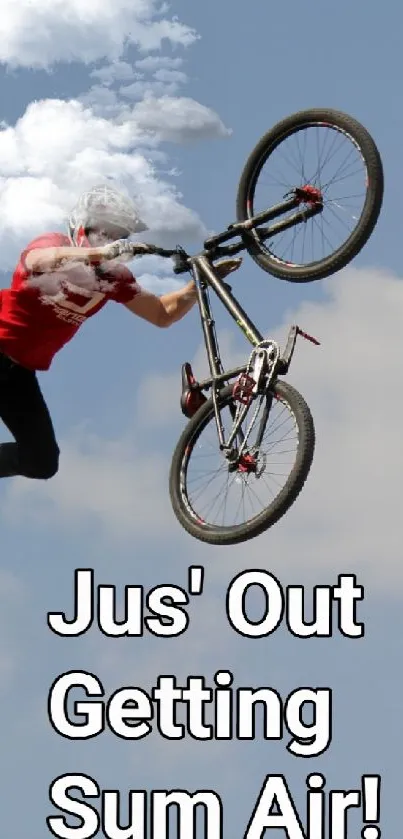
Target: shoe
<point x="227" y="266"/>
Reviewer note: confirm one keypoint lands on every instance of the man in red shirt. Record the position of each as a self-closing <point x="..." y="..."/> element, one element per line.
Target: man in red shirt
<point x="59" y="282"/>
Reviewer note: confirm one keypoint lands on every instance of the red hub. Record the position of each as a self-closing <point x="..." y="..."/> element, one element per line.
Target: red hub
<point x="247" y="463"/>
<point x="309" y="195"/>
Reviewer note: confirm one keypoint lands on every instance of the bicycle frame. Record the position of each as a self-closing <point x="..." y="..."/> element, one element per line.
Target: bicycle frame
<point x="201" y="267"/>
<point x="205" y="276"/>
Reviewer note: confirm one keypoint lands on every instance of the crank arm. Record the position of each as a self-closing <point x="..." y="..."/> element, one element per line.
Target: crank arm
<point x="284" y="361"/>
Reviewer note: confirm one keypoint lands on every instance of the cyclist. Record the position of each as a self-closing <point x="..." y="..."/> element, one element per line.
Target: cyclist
<point x="60" y="281"/>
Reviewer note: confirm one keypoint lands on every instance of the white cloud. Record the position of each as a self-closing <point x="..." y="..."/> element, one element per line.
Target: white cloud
<point x="48" y="31"/>
<point x="12" y="603"/>
<point x="121" y="486"/>
<point x="103" y="102"/>
<point x="158" y="285"/>
<point x="158" y="389"/>
<point x="114" y="72"/>
<point x="148" y="87"/>
<point x="42" y="171"/>
<point x="108" y="483"/>
<point x="168" y="76"/>
<point x="58" y="148"/>
<point x="155" y="274"/>
<point x="178" y="119"/>
<point x="156" y="62"/>
<point x="165" y="82"/>
<point x="347" y="518"/>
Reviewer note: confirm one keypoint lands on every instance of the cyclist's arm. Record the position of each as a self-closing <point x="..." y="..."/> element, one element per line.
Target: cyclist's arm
<point x="165" y="310"/>
<point x="46" y="259"/>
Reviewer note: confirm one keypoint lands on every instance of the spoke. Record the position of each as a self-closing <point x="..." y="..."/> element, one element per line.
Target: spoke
<point x="327" y="160"/>
<point x="224" y="499"/>
<point x="324" y="237"/>
<point x="300" y="154"/>
<point x="336" y="198"/>
<point x="200" y="492"/>
<point x="297" y="233"/>
<point x="341" y="178"/>
<point x="239" y="505"/>
<point x="285" y="184"/>
<point x="223" y="503"/>
<point x="210" y="506"/>
<point x="264" y="477"/>
<point x="293" y="165"/>
<point x="342" y="168"/>
<point x="339" y="218"/>
<point x="255" y="493"/>
<point x="333" y="149"/>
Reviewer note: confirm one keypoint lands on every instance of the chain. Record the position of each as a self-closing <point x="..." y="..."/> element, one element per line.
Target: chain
<point x="250" y="368"/>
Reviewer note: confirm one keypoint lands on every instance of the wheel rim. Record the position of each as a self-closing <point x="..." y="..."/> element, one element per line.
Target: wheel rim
<point x="222" y="500"/>
<point x="318" y="157"/>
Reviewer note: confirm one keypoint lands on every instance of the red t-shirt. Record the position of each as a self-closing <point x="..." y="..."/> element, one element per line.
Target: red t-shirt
<point x="36" y="322"/>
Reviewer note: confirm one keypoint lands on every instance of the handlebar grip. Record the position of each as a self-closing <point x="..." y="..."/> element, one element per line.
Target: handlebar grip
<point x="179" y="258"/>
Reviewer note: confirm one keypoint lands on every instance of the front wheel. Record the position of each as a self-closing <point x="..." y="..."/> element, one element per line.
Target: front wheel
<point x="332" y="162"/>
<point x="227" y="501"/>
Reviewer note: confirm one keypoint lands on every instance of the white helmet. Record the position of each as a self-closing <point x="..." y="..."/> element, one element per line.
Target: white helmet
<point x="104" y="208"/>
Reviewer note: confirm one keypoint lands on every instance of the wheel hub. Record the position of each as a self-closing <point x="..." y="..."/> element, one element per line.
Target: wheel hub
<point x="309" y="195"/>
<point x="245" y="463"/>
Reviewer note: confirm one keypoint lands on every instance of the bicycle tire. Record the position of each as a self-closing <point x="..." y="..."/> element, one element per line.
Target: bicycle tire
<point x="337" y="260"/>
<point x="280" y="505"/>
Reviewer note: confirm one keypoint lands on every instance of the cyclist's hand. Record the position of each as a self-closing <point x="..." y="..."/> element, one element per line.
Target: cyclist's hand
<point x="122" y="247"/>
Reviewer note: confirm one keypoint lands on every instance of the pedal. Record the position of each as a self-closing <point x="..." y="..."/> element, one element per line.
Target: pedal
<point x="243" y="389"/>
<point x="192" y="397"/>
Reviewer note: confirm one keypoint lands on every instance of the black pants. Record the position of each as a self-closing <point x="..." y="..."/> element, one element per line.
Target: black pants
<point x="35" y="453"/>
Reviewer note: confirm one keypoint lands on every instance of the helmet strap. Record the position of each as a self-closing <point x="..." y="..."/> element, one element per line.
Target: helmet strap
<point x="81" y="238"/>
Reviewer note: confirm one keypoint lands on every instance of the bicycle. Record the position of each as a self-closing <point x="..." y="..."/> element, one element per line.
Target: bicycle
<point x="244" y="464"/>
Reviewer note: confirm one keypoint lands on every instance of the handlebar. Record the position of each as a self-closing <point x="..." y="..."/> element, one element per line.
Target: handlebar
<point x="179" y="256"/>
<point x="153" y="249"/>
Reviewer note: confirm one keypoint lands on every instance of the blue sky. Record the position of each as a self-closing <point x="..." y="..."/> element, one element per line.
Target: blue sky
<point x="114" y="392"/>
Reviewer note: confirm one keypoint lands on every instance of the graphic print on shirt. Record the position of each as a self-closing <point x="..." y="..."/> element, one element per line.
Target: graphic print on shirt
<point x="73" y="294"/>
<point x="75" y="291"/>
<point x="72" y="304"/>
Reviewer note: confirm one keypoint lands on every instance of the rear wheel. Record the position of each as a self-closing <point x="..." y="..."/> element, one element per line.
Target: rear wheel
<point x="226" y="503"/>
<point x="331" y="158"/>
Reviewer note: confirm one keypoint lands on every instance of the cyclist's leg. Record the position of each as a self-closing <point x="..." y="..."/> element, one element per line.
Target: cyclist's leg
<point x="35" y="453"/>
